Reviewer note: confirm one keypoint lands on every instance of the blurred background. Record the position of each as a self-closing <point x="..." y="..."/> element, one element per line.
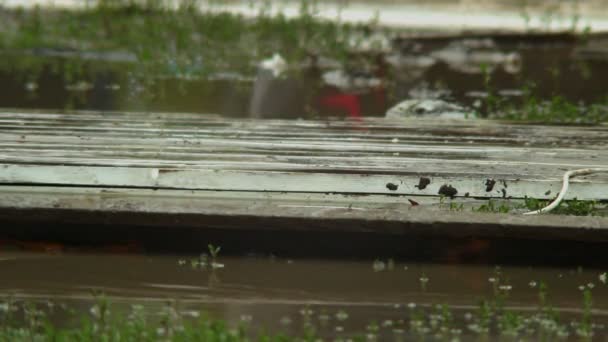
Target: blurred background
<point x="529" y="60"/>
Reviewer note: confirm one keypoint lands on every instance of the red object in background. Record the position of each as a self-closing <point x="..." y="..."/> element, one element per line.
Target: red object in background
<point x="350" y="104"/>
<point x="346" y="102"/>
<point x="335" y="100"/>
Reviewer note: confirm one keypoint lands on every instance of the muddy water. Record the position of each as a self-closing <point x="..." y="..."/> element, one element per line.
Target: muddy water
<point x="272" y="292"/>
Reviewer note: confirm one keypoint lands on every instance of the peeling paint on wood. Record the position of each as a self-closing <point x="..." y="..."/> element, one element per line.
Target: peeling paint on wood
<point x="131" y="152"/>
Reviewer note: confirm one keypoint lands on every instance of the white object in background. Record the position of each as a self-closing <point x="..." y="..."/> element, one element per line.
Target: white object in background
<point x="429" y="108"/>
<point x="268" y="71"/>
<point x="345" y="82"/>
<point x="276" y="64"/>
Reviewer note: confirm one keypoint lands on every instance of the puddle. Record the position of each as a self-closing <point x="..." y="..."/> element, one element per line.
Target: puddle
<point x="273" y="292"/>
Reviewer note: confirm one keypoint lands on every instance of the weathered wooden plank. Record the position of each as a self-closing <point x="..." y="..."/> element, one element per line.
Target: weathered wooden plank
<point x="141" y="118"/>
<point x="376" y="156"/>
<point x="276" y="181"/>
<point x="286" y="211"/>
<point x="371" y="129"/>
<point x="434" y="165"/>
<point x="240" y="153"/>
<point x="202" y="171"/>
<point x="226" y="148"/>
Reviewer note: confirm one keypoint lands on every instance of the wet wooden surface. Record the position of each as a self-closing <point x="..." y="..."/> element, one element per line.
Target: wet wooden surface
<point x="144" y="161"/>
<point x="288" y="212"/>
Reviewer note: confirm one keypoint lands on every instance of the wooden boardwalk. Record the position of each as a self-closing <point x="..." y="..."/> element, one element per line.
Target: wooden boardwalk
<point x="208" y="171"/>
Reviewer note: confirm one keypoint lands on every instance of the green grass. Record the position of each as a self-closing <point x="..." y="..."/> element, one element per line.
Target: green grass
<point x="569" y="207"/>
<point x="493" y="206"/>
<point x="179" y="42"/>
<point x="47" y="321"/>
<point x="531" y="108"/>
<point x="29" y="322"/>
<point x="573" y="207"/>
<point x="556" y="110"/>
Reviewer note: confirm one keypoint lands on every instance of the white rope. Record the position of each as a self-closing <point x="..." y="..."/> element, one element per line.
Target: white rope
<point x="562" y="192"/>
